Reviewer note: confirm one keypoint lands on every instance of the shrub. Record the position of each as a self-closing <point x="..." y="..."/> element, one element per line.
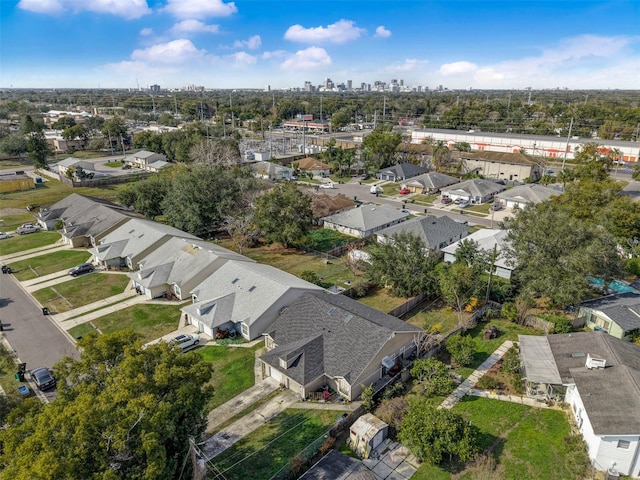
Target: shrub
<point x="632" y="266"/>
<point x="360" y="289"/>
<point x="311" y="277"/>
<point x="392" y="410"/>
<point x="461" y="349"/>
<point x="509" y="311"/>
<point x="511" y="362"/>
<point x="395" y="390"/>
<point x="368" y="402"/>
<point x="487" y="383"/>
<point x="327" y="445"/>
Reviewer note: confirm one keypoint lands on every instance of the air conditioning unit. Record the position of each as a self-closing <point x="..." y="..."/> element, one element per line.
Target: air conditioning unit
<point x="593" y="362"/>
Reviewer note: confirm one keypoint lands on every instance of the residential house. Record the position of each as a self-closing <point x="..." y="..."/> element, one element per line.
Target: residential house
<point x="476" y="190"/>
<point x="617" y="314"/>
<point x="523" y="194"/>
<point x="516" y="167"/>
<point x="47" y="218"/>
<point x="435" y="232"/>
<point x="323" y="205"/>
<point x="70" y="163"/>
<point x="365" y="220"/>
<point x="598" y="376"/>
<point x="314" y="166"/>
<point x="87" y="227"/>
<point x="271" y="171"/>
<point x="325" y="340"/>
<point x="400" y="172"/>
<point x="128" y="244"/>
<point x="178" y="266"/>
<point x="338" y="466"/>
<point x="243" y="296"/>
<point x="146" y="160"/>
<point x="430" y="182"/>
<point x="16" y="182"/>
<point x="488" y="240"/>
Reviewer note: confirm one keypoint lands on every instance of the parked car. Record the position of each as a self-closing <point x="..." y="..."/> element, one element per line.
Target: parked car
<point x="126" y="167"/>
<point x="27" y="228"/>
<point x="375" y="189"/>
<point x="446" y="200"/>
<point x="4" y="235"/>
<point x="464" y="204"/>
<point x="404" y="191"/>
<point x="32" y="207"/>
<point x="495" y="207"/>
<point x="327" y="185"/>
<point x="80" y="269"/>
<point x="457" y="201"/>
<point x="43" y="378"/>
<point x="185" y="341"/>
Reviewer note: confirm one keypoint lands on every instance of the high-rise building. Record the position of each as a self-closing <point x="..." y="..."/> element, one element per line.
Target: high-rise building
<point x="349" y="85"/>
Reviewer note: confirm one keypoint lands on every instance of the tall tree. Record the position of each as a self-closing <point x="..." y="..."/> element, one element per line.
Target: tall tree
<point x="283" y="215"/>
<point x="213" y="151"/>
<point x="458" y="284"/>
<point x="146" y="196"/>
<point x="200" y="197"/>
<point x="121" y="412"/>
<point x="380" y="147"/>
<point x="405" y="265"/>
<point x="554" y="252"/>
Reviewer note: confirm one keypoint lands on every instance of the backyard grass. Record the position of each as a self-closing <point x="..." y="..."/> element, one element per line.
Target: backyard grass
<point x="52" y="191"/>
<point x="81" y="291"/>
<point x="434" y="315"/>
<point x="527" y="442"/>
<point x="381" y="299"/>
<point x="323" y="239"/>
<point x="269" y="448"/>
<point x="48" y="263"/>
<point x="232" y="371"/>
<point x="9" y="223"/>
<point x="22" y="243"/>
<point x="150" y="321"/>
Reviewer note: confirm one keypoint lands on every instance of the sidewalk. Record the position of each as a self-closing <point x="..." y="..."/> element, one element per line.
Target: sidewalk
<point x="226" y="437"/>
<point x="102" y="307"/>
<point x="39" y="281"/>
<point x="34" y="252"/>
<point x="466" y="386"/>
<point x="531" y="402"/>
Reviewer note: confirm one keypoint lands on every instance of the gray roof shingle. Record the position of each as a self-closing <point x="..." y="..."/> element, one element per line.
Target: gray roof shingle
<point x="333" y="334"/>
<point x="622" y="308"/>
<point x="403" y="170"/>
<point x="433" y="231"/>
<point x="366" y="217"/>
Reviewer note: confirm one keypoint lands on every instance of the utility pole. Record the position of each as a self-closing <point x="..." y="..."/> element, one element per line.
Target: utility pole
<point x="198" y="471"/>
<point x="231" y="108"/>
<point x="384" y="109"/>
<point x="566" y="148"/>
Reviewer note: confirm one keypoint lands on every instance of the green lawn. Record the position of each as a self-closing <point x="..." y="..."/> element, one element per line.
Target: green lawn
<point x="22" y="243"/>
<point x="48" y="263"/>
<point x="527" y="442"/>
<point x="422" y="199"/>
<point x="81" y="291"/>
<point x="149" y="321"/>
<point x="480" y="208"/>
<point x="444" y="316"/>
<point x="114" y="164"/>
<point x="271" y="447"/>
<point x="381" y="299"/>
<point x="11" y="222"/>
<point x="323" y="239"/>
<point x="232" y="371"/>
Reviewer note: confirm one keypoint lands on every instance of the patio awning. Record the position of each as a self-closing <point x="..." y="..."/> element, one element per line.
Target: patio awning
<point x="538" y="363"/>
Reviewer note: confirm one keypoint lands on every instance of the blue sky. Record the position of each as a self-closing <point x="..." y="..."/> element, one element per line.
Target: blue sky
<point x="255" y="43"/>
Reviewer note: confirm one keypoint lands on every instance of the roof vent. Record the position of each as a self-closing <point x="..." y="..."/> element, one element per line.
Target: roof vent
<point x="331" y="310"/>
<point x="348" y="318"/>
<point x="593" y="362"/>
<point x="577" y="354"/>
<point x="235" y="280"/>
<point x="252" y="288"/>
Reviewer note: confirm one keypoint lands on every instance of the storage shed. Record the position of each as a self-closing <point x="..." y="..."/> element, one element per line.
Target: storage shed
<point x="367" y="433"/>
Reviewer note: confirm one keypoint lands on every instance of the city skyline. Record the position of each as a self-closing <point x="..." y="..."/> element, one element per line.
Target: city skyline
<point x="282" y="44"/>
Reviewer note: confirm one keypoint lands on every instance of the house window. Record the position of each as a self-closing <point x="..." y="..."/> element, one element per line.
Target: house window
<point x="245" y="329"/>
<point x="624" y="444"/>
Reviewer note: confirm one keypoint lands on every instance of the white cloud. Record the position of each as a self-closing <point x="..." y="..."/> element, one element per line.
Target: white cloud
<point x="340" y="32"/>
<point x="310" y="58"/>
<point x="129" y="9"/>
<point x="274" y="54"/>
<point x="187" y="27"/>
<point x="458" y="68"/>
<point x="177" y="51"/>
<point x="252" y="43"/>
<point x="128" y="67"/>
<point x="145" y="32"/>
<point x="409" y="65"/>
<point x="382" y="32"/>
<point x="200" y="8"/>
<point x="243" y="59"/>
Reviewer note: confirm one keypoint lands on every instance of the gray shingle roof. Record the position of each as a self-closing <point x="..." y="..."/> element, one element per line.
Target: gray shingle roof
<point x="611" y="396"/>
<point x="249" y="289"/>
<point x="433" y="231"/>
<point x="622" y="308"/>
<point x="404" y="170"/>
<point x="134" y="237"/>
<point x="179" y="260"/>
<point x="93" y="221"/>
<point x="351" y="334"/>
<point x="477" y="187"/>
<point x="531" y="193"/>
<point x="72" y="205"/>
<point x="486" y="238"/>
<point x="366" y="217"/>
<point x="432" y="181"/>
<point x="338" y="466"/>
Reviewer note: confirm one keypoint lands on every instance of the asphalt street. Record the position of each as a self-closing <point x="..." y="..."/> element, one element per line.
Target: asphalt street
<point x="35" y="339"/>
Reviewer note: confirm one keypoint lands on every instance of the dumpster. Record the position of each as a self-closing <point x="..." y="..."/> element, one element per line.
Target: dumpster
<point x="24" y="391"/>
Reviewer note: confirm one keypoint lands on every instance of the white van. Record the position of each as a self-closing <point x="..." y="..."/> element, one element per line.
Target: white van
<point x="375" y="189"/>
